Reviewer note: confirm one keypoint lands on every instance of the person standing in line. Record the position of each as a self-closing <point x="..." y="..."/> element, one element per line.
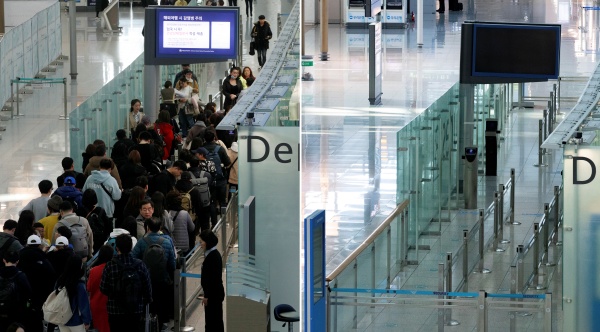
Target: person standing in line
<point x="212" y="282"/>
<point x="261" y="32"/>
<point x="72" y="280"/>
<point x="233" y="3"/>
<point x="39" y="205"/>
<point x="98" y="300"/>
<point x="248" y="7"/>
<point x="126" y="310"/>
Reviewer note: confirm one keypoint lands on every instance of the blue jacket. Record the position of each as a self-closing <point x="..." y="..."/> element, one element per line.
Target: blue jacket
<point x="69" y="191"/>
<point x="80" y="305"/>
<point x="141" y="246"/>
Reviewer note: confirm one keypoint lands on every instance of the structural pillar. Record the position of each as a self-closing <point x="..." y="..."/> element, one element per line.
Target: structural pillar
<point x="72" y="39"/>
<point x="1" y="16"/>
<point x="151" y="81"/>
<point x="324" y="31"/>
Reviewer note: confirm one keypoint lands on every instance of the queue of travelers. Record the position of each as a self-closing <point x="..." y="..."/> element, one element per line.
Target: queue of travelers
<point x="102" y="222"/>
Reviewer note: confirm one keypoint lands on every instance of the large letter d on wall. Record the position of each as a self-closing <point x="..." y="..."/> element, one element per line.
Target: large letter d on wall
<point x="592" y="165"/>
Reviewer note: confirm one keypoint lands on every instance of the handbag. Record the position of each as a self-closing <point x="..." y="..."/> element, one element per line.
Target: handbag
<point x="57" y="308"/>
<point x="251" y="48"/>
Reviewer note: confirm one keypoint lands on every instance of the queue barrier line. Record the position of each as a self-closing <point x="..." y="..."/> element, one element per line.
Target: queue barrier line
<point x="191" y="275"/>
<point x="436" y="293"/>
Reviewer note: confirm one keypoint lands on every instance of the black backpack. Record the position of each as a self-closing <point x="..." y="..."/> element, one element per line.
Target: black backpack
<point x="214" y="157"/>
<point x="156" y="260"/>
<point x="97" y="226"/>
<point x="9" y="296"/>
<point x="128" y="289"/>
<point x="5" y="247"/>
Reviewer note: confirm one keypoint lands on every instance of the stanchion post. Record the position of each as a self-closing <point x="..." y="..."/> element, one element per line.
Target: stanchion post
<point x="12" y="101"/>
<point x="546" y="124"/>
<point x="481" y="242"/>
<point x="512" y="198"/>
<point x="65" y="116"/>
<point x="546" y="232"/>
<point x="513" y="289"/>
<point x="497" y="237"/>
<point x="501" y="215"/>
<point x="448" y="319"/>
<point x="536" y="250"/>
<point x="556" y="214"/>
<point x="177" y="300"/>
<point x="520" y="271"/>
<point x="548" y="313"/>
<point x="466" y="260"/>
<point x="540" y="141"/>
<point x="328" y="304"/>
<point x="389" y="257"/>
<point x="441" y="283"/>
<point x="482" y="311"/>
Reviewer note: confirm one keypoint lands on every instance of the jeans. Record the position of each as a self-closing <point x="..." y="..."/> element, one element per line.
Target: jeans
<point x="186" y="121"/>
<point x="262" y="56"/>
<point x="232" y="3"/>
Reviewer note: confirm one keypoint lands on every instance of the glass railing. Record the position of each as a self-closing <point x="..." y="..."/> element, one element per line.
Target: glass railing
<point x="28" y="48"/>
<point x="428" y="157"/>
<point x="438" y="311"/>
<point x="376" y="261"/>
<point x="106" y="111"/>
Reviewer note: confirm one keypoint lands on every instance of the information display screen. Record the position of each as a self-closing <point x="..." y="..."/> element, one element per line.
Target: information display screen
<point x="197" y="32"/>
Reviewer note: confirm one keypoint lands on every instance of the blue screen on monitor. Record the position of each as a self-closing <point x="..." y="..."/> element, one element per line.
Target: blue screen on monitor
<point x="196" y="32"/>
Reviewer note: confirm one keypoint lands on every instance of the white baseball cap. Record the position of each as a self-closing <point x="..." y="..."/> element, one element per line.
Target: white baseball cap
<point x="62" y="241"/>
<point x="34" y="239"/>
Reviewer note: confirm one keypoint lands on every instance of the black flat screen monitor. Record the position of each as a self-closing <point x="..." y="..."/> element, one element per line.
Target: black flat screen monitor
<point x="507" y="52"/>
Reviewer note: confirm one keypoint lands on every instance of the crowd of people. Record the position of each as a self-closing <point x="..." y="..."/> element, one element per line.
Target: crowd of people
<point x="110" y="234"/>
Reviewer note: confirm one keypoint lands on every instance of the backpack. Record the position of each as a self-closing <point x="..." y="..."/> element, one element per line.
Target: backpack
<point x="186" y="203"/>
<point x="9" y="296"/>
<point x="97" y="226"/>
<point x="79" y="237"/>
<point x="156" y="260"/>
<point x="57" y="308"/>
<point x="128" y="288"/>
<point x="5" y="247"/>
<point x="71" y="200"/>
<point x="202" y="184"/>
<point x="214" y="157"/>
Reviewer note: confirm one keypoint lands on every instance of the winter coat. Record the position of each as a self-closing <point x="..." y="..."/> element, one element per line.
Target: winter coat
<point x="105" y="201"/>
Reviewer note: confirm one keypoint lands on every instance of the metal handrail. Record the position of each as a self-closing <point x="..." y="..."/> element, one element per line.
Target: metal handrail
<point x="368" y="241"/>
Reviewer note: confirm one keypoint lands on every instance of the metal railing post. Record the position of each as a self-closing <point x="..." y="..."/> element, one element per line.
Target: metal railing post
<point x="482" y="312"/>
<point x="548" y="313"/>
<point x="496" y="236"/>
<point x="441" y="284"/>
<point x="513" y="289"/>
<point x="466" y="260"/>
<point x="546" y="124"/>
<point x="536" y="249"/>
<point x="355" y="316"/>
<point x="481" y="242"/>
<point x="501" y="215"/>
<point x="540" y="150"/>
<point x="373" y="257"/>
<point x="555" y="100"/>
<point x="328" y="304"/>
<point x="545" y="234"/>
<point x="389" y="257"/>
<point x="512" y="198"/>
<point x="448" y="316"/>
<point x="520" y="271"/>
<point x="556" y="214"/>
<point x="335" y="311"/>
<point x="177" y="299"/>
<point x="536" y="252"/>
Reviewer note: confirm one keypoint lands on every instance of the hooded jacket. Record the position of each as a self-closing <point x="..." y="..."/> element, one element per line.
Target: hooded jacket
<point x="94" y="164"/>
<point x="104" y="200"/>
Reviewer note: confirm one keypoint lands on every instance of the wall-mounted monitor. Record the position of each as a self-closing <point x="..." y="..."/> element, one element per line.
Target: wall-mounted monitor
<point x="507" y="52"/>
<point x="175" y="35"/>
